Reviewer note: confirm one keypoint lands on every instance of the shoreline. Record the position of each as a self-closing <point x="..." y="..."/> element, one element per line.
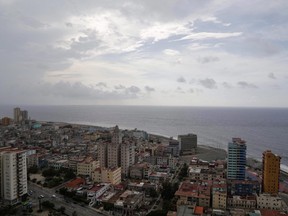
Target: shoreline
<point x="283" y="169"/>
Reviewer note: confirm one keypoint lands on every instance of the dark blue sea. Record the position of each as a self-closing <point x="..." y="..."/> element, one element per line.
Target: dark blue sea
<point x="262" y="128"/>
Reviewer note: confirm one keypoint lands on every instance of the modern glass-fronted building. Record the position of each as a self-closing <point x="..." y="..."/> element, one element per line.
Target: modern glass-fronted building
<point x="236" y="159"/>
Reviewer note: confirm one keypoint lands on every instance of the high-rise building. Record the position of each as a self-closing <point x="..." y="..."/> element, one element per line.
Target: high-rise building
<point x="236" y="159"/>
<point x="17" y="115"/>
<point x="13" y="171"/>
<point x="270" y="172"/>
<point x="187" y="143"/>
<point x="20" y="115"/>
<point x="127" y="156"/>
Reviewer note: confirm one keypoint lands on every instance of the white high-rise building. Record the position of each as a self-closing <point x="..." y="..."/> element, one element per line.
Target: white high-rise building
<point x="13" y="174"/>
<point x="127" y="156"/>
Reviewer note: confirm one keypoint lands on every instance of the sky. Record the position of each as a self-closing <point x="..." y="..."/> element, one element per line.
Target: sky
<point x="162" y="53"/>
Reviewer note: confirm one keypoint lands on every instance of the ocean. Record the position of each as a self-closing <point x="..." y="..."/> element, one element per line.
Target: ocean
<point x="261" y="128"/>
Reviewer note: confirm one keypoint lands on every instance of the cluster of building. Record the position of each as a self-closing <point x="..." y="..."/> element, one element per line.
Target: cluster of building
<point x="213" y="189"/>
<point x="119" y="168"/>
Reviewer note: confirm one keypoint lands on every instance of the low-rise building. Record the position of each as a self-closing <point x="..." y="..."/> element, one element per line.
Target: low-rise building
<point x="129" y="202"/>
<point x="87" y="166"/>
<point x="243" y="202"/>
<point x="268" y="201"/>
<point x="190" y="193"/>
<point x="107" y="175"/>
<point x="140" y="171"/>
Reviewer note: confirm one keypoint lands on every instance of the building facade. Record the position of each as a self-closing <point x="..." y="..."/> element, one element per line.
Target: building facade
<point x="127" y="156"/>
<point x="236" y="161"/>
<point x="270" y="172"/>
<point x="187" y="143"/>
<point x="13" y="175"/>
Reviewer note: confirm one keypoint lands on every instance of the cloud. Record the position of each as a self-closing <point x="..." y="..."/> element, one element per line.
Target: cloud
<point x="227" y="85"/>
<point x="208" y="59"/>
<point x="101" y="84"/>
<point x="149" y="89"/>
<point x="210" y="35"/>
<point x="271" y="76"/>
<point x="133" y="89"/>
<point x="171" y="52"/>
<point x="244" y="84"/>
<point x="208" y="83"/>
<point x="181" y="80"/>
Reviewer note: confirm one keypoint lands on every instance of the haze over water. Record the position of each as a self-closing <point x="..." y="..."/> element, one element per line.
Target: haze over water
<point x="262" y="128"/>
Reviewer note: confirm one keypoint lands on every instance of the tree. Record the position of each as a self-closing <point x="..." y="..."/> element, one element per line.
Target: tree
<point x="62" y="209"/>
<point x="153" y="193"/>
<point x="48" y="204"/>
<point x="183" y="172"/>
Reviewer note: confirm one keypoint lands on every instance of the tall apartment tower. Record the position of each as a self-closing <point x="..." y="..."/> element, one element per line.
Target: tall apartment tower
<point x="102" y="153"/>
<point x="127" y="156"/>
<point x="113" y="149"/>
<point x="236" y="159"/>
<point x="270" y="172"/>
<point x="13" y="175"/>
<point x="17" y="115"/>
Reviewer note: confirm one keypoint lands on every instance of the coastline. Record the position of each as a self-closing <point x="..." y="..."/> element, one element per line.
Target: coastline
<point x="211" y="153"/>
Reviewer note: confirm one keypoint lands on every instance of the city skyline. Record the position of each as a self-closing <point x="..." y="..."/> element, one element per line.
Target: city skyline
<point x="186" y="53"/>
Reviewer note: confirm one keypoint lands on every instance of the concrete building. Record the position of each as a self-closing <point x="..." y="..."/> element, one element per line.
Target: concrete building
<point x="268" y="201"/>
<point x="140" y="171"/>
<point x="20" y="115"/>
<point x="129" y="203"/>
<point x="87" y="166"/>
<point x="5" y="121"/>
<point x="270" y="172"/>
<point x="17" y="115"/>
<point x="219" y="195"/>
<point x="113" y="149"/>
<point x="13" y="171"/>
<point x="127" y="156"/>
<point x="190" y="193"/>
<point x="187" y="143"/>
<point x="107" y="175"/>
<point x="236" y="161"/>
<point x="102" y="153"/>
<point x="243" y="187"/>
<point x="243" y="202"/>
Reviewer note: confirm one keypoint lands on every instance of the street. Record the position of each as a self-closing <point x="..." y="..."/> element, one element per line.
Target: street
<point x="58" y="201"/>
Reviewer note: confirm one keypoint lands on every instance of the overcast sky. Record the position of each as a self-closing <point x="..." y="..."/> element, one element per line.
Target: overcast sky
<point x="144" y="52"/>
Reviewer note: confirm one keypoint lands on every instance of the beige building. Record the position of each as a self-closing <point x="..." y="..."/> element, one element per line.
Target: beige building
<point x="107" y="175"/>
<point x="268" y="201"/>
<point x="243" y="202"/>
<point x="219" y="195"/>
<point x="13" y="171"/>
<point x="87" y="166"/>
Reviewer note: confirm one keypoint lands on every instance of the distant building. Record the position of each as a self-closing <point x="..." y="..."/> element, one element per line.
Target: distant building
<point x="187" y="143"/>
<point x="20" y="115"/>
<point x="6" y="121"/>
<point x="17" y="115"/>
<point x="13" y="174"/>
<point x="236" y="162"/>
<point x="270" y="172"/>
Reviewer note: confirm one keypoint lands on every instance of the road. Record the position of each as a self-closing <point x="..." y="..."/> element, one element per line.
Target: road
<point x="59" y="201"/>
